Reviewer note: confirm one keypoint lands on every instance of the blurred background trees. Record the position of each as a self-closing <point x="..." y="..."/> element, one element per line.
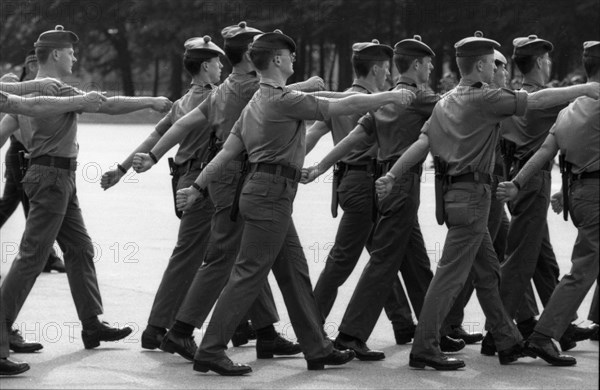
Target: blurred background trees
<point x="134" y="47"/>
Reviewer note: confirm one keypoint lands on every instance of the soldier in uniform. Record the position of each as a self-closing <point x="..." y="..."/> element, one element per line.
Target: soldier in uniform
<point x="576" y="134"/>
<point x="271" y="130"/>
<point x="462" y="134"/>
<point x="529" y="251"/>
<point x="34" y="106"/>
<point x="353" y="189"/>
<point x="201" y="61"/>
<point x="397" y="239"/>
<point x="218" y="113"/>
<point x="13" y="189"/>
<point x="54" y="209"/>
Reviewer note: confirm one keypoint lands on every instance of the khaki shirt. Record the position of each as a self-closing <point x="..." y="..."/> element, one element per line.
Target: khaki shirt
<point x="272" y="127"/>
<point x="577" y="132"/>
<point x="397" y="128"/>
<point x="341" y="126"/>
<point x="195" y="143"/>
<point x="463" y="129"/>
<point x="529" y="131"/>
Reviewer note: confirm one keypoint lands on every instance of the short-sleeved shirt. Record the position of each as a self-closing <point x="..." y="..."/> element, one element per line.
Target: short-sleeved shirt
<point x="341" y="126"/>
<point x="225" y="104"/>
<point x="272" y="128"/>
<point x="463" y="129"/>
<point x="529" y="131"/>
<point x="53" y="135"/>
<point x="195" y="143"/>
<point x="396" y="128"/>
<point x="577" y="132"/>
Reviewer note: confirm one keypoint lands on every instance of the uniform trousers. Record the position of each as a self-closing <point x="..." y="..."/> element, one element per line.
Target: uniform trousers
<point x="223" y="247"/>
<point x="594" y="309"/>
<point x="4" y="332"/>
<point x="529" y="252"/>
<point x="13" y="189"/>
<point x="468" y="248"/>
<point x="192" y="241"/>
<point x="269" y="241"/>
<point x="54" y="214"/>
<point x="584" y="204"/>
<point x="397" y="246"/>
<point x="354" y="233"/>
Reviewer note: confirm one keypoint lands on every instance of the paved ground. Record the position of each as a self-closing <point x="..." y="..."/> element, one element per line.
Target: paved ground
<point x="134" y="230"/>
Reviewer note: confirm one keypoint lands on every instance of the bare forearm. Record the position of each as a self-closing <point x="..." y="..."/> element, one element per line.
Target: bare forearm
<point x="144" y="147"/>
<point x="413" y="156"/>
<point x="359" y="103"/>
<point x="344" y="147"/>
<point x="314" y="134"/>
<point x="546" y="152"/>
<point x="551" y="97"/>
<point x="125" y="104"/>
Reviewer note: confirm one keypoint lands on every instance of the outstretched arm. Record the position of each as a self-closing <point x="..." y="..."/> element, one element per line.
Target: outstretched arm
<point x="314" y="134"/>
<point x="551" y="97"/>
<point x="51" y="105"/>
<point x="365" y="102"/>
<point x="8" y="125"/>
<point x="124" y="104"/>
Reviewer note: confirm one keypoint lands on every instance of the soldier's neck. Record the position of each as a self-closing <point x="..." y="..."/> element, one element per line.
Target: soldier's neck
<point x="369" y="82"/>
<point x="201" y="79"/>
<point x="243" y="67"/>
<point x="534" y="78"/>
<point x="44" y="72"/>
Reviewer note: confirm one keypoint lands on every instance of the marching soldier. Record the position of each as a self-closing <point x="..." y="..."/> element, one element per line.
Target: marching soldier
<point x="54" y="209"/>
<point x="576" y="134"/>
<point x="271" y="130"/>
<point x="462" y="134"/>
<point x="353" y="190"/>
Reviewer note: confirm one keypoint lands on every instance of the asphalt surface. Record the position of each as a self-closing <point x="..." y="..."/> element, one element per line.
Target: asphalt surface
<point x="134" y="231"/>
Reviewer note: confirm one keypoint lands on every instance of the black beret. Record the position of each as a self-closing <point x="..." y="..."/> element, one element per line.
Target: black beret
<point x="274" y="41"/>
<point x="59" y="38"/>
<point x="413" y="47"/>
<point x="531" y="46"/>
<point x="475" y="46"/>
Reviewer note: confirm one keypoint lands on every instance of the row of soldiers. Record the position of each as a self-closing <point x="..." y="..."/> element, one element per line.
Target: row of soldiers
<point x="234" y="195"/>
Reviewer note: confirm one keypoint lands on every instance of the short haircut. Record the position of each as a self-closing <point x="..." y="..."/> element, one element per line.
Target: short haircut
<point x="525" y="63"/>
<point x="362" y="66"/>
<point x="591" y="66"/>
<point x="43" y="53"/>
<point x="194" y="65"/>
<point x="467" y="64"/>
<point x="235" y="52"/>
<point x="403" y="62"/>
<point x="262" y="57"/>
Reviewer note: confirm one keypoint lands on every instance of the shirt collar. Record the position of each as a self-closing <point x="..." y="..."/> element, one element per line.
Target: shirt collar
<point x="407" y="81"/>
<point x="271" y="83"/>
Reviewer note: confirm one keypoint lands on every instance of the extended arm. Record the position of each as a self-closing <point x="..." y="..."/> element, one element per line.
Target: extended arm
<point x="124" y="104"/>
<point x="551" y="97"/>
<point x="314" y="134"/>
<point x="8" y="125"/>
<point x="50" y="105"/>
<point x="363" y="102"/>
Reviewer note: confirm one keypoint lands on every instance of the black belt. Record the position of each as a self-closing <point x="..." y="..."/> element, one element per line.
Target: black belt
<point x="279" y="170"/>
<point x="388" y="164"/>
<point x="56" y="162"/>
<point x="471" y="177"/>
<point x="586" y="175"/>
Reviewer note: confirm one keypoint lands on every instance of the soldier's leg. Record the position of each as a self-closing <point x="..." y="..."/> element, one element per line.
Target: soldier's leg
<point x="547" y="271"/>
<point x="416" y="269"/>
<point x="13" y="190"/>
<point x="594" y="315"/>
<point x="397" y="308"/>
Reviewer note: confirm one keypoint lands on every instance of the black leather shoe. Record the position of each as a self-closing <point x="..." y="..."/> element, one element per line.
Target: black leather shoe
<point x="152" y="338"/>
<point x="545" y="348"/>
<point x="526" y="327"/>
<point x="488" y="347"/>
<point x="10" y="367"/>
<point x="575" y="333"/>
<point x="18" y="344"/>
<point x="448" y="344"/>
<point x="359" y="347"/>
<point x="442" y="363"/>
<point x="513" y="354"/>
<point x="222" y="366"/>
<point x="265" y="349"/>
<point x="335" y="358"/>
<point x="54" y="263"/>
<point x="92" y="337"/>
<point x="459" y="333"/>
<point x="184" y="346"/>
<point x="404" y="335"/>
<point x="243" y="333"/>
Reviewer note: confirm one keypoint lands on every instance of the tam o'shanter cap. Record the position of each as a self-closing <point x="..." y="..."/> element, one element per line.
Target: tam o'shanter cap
<point x="59" y="38"/>
<point x="275" y="40"/>
<point x="531" y="46"/>
<point x="372" y="51"/>
<point x="413" y="47"/>
<point x="499" y="57"/>
<point x="591" y="49"/>
<point x="239" y="33"/>
<point x="201" y="48"/>
<point x="475" y="46"/>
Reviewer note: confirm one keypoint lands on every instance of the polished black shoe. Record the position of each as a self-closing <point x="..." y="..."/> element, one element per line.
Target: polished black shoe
<point x="513" y="354"/>
<point x="243" y="333"/>
<point x="404" y="335"/>
<point x="10" y="367"/>
<point x="222" y="366"/>
<point x="488" y="347"/>
<point x="575" y="333"/>
<point x="265" y="349"/>
<point x="17" y="343"/>
<point x="527" y="327"/>
<point x="459" y="333"/>
<point x="92" y="337"/>
<point x="54" y="263"/>
<point x="442" y="363"/>
<point x="359" y="347"/>
<point x="448" y="344"/>
<point x="335" y="358"/>
<point x="544" y="348"/>
<point x="184" y="346"/>
<point x="151" y="338"/>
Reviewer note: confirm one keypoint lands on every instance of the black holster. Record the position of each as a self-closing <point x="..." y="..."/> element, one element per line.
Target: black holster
<point x="565" y="172"/>
<point x="23" y="165"/>
<point x="338" y="172"/>
<point x="235" y="206"/>
<point x="441" y="169"/>
<point x="175" y="176"/>
<point x="507" y="150"/>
